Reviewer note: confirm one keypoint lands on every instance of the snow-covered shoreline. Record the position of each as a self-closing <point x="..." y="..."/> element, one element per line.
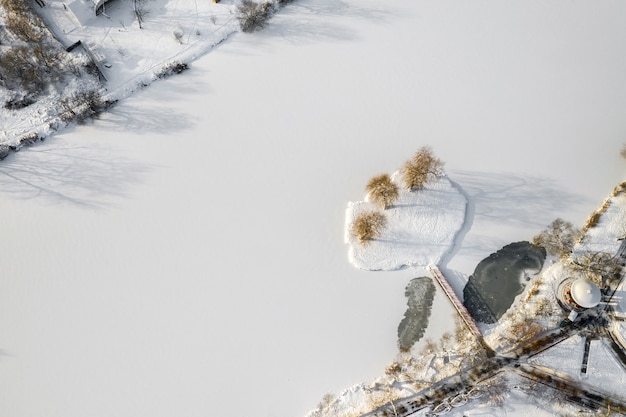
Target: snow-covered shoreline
<point x="173" y="33"/>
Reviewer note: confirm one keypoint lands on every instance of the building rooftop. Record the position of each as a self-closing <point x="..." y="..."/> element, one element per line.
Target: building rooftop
<point x="585" y="293"/>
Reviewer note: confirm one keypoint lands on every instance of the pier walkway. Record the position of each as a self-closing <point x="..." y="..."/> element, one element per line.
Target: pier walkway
<point x="456" y="301"/>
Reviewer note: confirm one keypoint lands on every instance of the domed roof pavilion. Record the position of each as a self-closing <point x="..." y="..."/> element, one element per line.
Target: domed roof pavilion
<point x="578" y="294"/>
<point x="585" y="293"/>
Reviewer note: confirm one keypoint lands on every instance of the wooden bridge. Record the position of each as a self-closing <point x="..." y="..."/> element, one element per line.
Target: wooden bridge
<point x="458" y="304"/>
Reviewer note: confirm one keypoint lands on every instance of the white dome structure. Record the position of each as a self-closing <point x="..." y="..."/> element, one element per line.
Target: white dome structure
<point x="578" y="294"/>
<point x="585" y="293"/>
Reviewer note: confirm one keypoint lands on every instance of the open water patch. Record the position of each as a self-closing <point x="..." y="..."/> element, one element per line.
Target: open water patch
<point x="420" y="294"/>
<point x="499" y="278"/>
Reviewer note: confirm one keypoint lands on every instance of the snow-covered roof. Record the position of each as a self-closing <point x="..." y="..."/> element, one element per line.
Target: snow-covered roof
<point x="585" y="293"/>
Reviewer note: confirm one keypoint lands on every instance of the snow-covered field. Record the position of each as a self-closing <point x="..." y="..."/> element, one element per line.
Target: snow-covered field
<point x="184" y="254"/>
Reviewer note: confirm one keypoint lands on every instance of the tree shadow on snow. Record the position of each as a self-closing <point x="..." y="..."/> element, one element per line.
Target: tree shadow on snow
<point x="507" y="199"/>
<point x="78" y="175"/>
<point x="141" y="119"/>
<point x="518" y="200"/>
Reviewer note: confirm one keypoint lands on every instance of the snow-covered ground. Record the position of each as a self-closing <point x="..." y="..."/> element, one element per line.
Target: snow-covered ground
<point x="184" y="254"/>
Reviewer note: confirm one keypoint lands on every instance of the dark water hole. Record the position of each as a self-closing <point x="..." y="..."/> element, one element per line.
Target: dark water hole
<point x="420" y="293"/>
<point x="499" y="278"/>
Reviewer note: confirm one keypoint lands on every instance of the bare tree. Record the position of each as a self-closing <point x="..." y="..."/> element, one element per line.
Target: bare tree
<point x="421" y="169"/>
<point x="368" y="226"/>
<point x="558" y="239"/>
<point x="598" y="265"/>
<point x="382" y="190"/>
<point x="497" y="391"/>
<point x="141" y="11"/>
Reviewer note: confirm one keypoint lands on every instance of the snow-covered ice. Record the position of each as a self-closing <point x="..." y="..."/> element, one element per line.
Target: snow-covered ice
<point x="184" y="254"/>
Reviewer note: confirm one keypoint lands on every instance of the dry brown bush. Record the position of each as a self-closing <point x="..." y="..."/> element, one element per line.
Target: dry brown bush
<point x="382" y="191"/>
<point x="368" y="225"/>
<point x="620" y="188"/>
<point x="393" y="370"/>
<point x="24" y="28"/>
<point x="421" y="169"/>
<point x="543" y="307"/>
<point x="326" y="401"/>
<point x="592" y="220"/>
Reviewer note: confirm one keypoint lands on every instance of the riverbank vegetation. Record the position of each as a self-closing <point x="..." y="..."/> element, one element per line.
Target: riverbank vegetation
<point x="31" y="60"/>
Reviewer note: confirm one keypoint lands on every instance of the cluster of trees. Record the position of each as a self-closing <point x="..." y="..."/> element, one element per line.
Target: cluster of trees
<point x="81" y="105"/>
<point x="383" y="191"/>
<point x="31" y="60"/>
<point x="559" y="239"/>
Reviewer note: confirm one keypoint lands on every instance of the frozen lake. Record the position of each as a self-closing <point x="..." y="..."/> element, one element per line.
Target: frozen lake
<point x="184" y="254"/>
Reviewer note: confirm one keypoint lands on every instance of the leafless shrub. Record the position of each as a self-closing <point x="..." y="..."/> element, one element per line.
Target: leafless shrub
<point x="18" y="101"/>
<point x="497" y="391"/>
<point x="543" y="307"/>
<point x="623" y="151"/>
<point x="383" y="396"/>
<point x="171" y="69"/>
<point x="19" y="70"/>
<point x="326" y="401"/>
<point x="421" y="169"/>
<point x="595" y="265"/>
<point x="429" y="347"/>
<point x="80" y="106"/>
<point x="620" y="188"/>
<point x="532" y="291"/>
<point x="382" y="191"/>
<point x="141" y="11"/>
<point x="592" y="220"/>
<point x="29" y="139"/>
<point x="393" y="370"/>
<point x="558" y="239"/>
<point x="34" y="63"/>
<point x="368" y="225"/>
<point x="522" y="329"/>
<point x="26" y="30"/>
<point x="253" y="16"/>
